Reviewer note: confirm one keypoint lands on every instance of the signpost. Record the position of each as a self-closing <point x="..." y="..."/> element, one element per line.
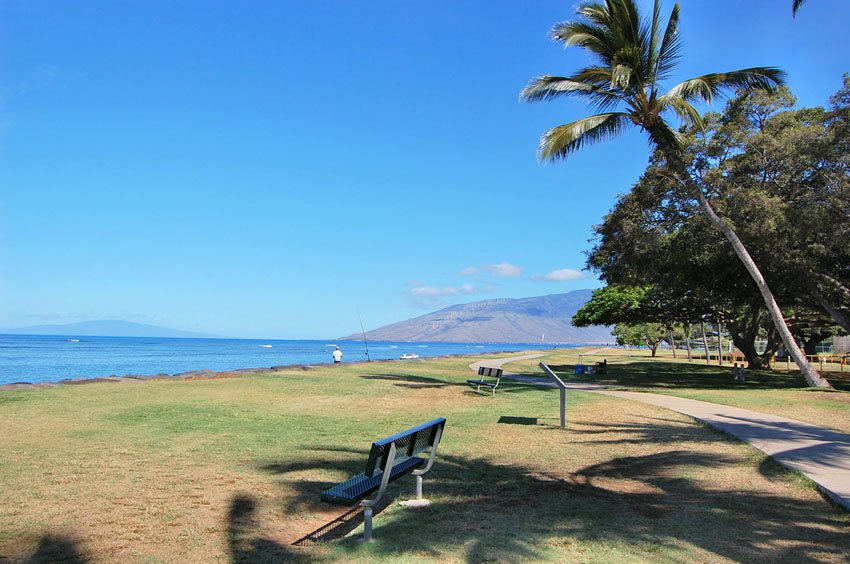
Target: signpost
<point x="563" y="388"/>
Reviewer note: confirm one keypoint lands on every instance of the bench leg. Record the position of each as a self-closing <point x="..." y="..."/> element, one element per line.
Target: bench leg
<point x="368" y="503"/>
<point x="367" y="524"/>
<point x="420" y="501"/>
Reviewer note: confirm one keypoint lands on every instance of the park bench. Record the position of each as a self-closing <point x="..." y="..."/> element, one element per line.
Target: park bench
<point x="390" y="459"/>
<point x="484" y="372"/>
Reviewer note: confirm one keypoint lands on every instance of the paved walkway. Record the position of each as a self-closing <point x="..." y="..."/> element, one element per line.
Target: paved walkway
<point x="823" y="455"/>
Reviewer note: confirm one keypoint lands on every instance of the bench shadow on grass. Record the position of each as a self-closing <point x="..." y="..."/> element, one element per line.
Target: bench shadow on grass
<point x="651" y="374"/>
<point x="638" y="505"/>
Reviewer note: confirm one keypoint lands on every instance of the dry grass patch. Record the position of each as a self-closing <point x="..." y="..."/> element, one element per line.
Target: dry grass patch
<point x="231" y="469"/>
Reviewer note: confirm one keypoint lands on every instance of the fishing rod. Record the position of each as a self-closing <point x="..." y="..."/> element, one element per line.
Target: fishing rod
<point x="363" y="331"/>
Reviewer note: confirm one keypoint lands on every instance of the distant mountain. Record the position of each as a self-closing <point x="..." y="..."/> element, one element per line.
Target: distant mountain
<point x="104" y="328"/>
<point x="527" y="320"/>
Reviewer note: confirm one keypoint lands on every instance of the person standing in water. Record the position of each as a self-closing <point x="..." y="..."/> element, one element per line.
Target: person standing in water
<point x="337" y="354"/>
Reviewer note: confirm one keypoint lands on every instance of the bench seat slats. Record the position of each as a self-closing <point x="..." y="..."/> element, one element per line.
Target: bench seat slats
<point x="407" y="443"/>
<point x="361" y="485"/>
<point x="480" y="383"/>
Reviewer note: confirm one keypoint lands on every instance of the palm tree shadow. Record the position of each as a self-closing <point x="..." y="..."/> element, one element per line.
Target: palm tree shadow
<point x="652" y="501"/>
<point x="244" y="541"/>
<point x="56" y="548"/>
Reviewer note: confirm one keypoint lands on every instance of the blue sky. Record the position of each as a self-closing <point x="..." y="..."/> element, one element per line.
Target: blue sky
<point x="269" y="169"/>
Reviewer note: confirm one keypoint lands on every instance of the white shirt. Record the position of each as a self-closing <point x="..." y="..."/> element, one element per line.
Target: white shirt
<point x="337" y="354"/>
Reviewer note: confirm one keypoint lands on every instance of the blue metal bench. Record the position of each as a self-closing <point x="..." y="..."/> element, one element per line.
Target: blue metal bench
<point x="390" y="459"/>
<point x="484" y="372"/>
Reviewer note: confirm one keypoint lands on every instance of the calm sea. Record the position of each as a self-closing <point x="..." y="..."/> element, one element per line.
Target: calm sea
<point x="39" y="358"/>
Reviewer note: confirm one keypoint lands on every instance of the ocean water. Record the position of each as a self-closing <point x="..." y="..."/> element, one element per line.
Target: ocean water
<point x="45" y="358"/>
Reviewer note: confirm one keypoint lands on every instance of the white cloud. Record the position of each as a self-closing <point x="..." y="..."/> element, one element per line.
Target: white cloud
<point x="467" y="289"/>
<point x="504" y="269"/>
<point x="563" y="275"/>
<point x="469" y="271"/>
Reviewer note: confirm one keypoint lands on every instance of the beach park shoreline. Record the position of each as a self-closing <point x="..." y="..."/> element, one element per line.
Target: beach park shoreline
<point x="206" y="374"/>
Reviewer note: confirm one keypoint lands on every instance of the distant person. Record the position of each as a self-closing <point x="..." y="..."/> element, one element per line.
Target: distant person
<point x="337" y="354"/>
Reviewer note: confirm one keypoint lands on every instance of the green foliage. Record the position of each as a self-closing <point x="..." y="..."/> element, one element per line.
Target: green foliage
<point x="779" y="175"/>
<point x="639" y="334"/>
<point x="611" y="305"/>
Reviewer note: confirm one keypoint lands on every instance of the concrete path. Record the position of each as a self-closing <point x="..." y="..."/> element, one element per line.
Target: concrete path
<point x="823" y="455"/>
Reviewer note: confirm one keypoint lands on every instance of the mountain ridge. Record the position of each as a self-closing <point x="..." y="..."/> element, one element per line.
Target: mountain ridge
<point x="544" y="319"/>
<point x="105" y="328"/>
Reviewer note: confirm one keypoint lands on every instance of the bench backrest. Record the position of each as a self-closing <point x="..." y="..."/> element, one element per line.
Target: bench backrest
<point x="488" y="371"/>
<point x="408" y="443"/>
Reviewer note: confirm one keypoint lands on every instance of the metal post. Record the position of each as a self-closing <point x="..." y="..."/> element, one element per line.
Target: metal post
<point x="560" y="383"/>
<point x="418" y="486"/>
<point x="563" y="408"/>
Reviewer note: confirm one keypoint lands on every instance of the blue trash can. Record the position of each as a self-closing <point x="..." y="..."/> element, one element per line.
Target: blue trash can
<point x="581" y="368"/>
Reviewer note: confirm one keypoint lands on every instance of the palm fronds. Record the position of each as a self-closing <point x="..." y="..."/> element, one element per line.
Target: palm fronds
<point x="564" y="140"/>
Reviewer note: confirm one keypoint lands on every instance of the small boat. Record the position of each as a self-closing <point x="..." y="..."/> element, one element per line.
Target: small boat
<point x="409" y="356"/>
<point x="266" y="346"/>
<point x="73" y="340"/>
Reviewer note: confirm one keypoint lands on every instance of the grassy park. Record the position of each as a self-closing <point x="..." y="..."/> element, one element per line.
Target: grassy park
<point x="231" y="468"/>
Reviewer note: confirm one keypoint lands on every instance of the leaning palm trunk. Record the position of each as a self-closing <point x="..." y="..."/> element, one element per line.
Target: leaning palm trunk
<point x="809" y="373"/>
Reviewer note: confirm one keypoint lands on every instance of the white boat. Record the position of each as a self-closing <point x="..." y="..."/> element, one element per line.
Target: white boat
<point x="266" y="346"/>
<point x="409" y="356"/>
<point x="73" y="340"/>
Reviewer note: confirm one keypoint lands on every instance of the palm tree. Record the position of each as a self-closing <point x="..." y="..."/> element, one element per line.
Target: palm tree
<point x="633" y="55"/>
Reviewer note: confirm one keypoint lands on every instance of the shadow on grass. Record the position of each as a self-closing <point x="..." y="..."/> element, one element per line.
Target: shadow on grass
<point x="410" y="380"/>
<point x="245" y="542"/>
<point x="55" y="548"/>
<point x="635" y="505"/>
<point x="652" y="374"/>
<point x="511" y="420"/>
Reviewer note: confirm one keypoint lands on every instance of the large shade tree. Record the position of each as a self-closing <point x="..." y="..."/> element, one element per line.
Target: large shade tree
<point x="634" y="54"/>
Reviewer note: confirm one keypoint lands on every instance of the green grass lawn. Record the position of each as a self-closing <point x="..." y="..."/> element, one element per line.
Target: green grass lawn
<point x="779" y="393"/>
<point x="230" y="469"/>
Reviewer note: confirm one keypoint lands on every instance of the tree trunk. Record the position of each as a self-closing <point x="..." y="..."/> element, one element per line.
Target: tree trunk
<point x="744" y="331"/>
<point x="719" y="345"/>
<point x="674" y="160"/>
<point x="688" y="341"/>
<point x="672" y="341"/>
<point x="833" y="311"/>
<point x="704" y="342"/>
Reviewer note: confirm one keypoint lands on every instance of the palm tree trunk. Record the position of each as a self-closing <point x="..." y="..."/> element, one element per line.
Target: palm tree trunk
<point x="809" y="373"/>
<point x="704" y="342"/>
